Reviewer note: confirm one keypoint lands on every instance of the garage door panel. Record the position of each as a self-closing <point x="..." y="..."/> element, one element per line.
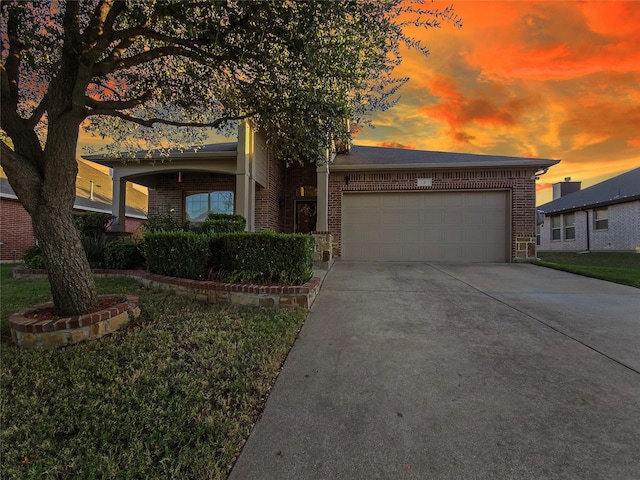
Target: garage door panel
<point x="411" y="236"/>
<point x="425" y="226"/>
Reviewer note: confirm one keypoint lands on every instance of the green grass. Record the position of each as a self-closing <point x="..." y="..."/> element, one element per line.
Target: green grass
<point x="173" y="395"/>
<point x="618" y="267"/>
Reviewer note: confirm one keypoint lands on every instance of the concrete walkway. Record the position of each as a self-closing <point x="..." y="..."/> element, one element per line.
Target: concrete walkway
<point x="423" y="371"/>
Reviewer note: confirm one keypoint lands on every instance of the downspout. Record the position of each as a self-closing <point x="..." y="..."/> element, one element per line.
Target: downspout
<point x="586" y="212"/>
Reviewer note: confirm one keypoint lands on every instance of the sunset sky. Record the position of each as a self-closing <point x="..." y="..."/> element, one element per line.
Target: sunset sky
<point x="548" y="79"/>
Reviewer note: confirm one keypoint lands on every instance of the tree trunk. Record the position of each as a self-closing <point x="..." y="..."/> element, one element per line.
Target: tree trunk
<point x="49" y="197"/>
<point x="70" y="276"/>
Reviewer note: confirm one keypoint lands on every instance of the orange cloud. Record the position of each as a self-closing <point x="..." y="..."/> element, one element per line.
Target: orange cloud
<point x="634" y="142"/>
<point x="396" y="145"/>
<point x="481" y="108"/>
<point x="557" y="40"/>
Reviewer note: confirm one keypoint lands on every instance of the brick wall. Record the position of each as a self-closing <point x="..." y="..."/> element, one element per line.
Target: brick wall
<point x="269" y="214"/>
<point x="624" y="228"/>
<point x="622" y="234"/>
<point x="169" y="192"/>
<point x="16" y="232"/>
<point x="517" y="181"/>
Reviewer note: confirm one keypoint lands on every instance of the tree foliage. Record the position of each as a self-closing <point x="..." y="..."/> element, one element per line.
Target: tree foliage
<point x="152" y="74"/>
<point x="296" y="68"/>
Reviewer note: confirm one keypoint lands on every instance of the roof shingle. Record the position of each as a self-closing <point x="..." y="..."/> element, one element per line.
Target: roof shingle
<point x="620" y="189"/>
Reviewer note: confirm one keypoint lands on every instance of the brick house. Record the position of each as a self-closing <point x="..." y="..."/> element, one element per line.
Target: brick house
<point x="374" y="203"/>
<point x="603" y="217"/>
<point x="93" y="194"/>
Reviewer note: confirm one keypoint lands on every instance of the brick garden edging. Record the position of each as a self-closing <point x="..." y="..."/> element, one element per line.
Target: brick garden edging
<point x="213" y="292"/>
<point x="57" y="332"/>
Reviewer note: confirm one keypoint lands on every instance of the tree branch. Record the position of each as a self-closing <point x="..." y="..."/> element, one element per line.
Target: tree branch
<point x="11" y="68"/>
<point x="114" y="63"/>
<point x="71" y="25"/>
<point x="111" y="65"/>
<point x="143" y="31"/>
<point x="23" y="176"/>
<point x="151" y="121"/>
<point x="99" y="35"/>
<point x="38" y="112"/>
<point x="94" y="104"/>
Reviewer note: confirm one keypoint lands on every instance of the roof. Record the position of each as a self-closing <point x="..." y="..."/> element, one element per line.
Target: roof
<point x="102" y="190"/>
<point x="620" y="189"/>
<point x="209" y="150"/>
<point x="378" y="158"/>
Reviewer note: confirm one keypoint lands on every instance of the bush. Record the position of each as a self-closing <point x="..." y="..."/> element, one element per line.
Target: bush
<point x="176" y="254"/>
<point x="122" y="255"/>
<point x="164" y="220"/>
<point x="223" y="223"/>
<point x="265" y="257"/>
<point x="93" y="246"/>
<point x="92" y="224"/>
<point x="92" y="227"/>
<point x="33" y="258"/>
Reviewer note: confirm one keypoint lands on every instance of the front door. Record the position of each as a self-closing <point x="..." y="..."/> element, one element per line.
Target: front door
<point x="306" y="211"/>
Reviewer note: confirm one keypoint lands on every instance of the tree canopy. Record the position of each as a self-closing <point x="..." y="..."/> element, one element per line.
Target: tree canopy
<point x="296" y="68"/>
<point x="151" y="74"/>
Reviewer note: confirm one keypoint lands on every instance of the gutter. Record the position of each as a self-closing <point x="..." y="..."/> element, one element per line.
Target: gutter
<point x="439" y="165"/>
<point x="604" y="203"/>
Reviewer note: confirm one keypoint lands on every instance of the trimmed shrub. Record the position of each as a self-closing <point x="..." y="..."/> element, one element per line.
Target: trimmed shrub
<point x="265" y="257"/>
<point x="122" y="255"/>
<point x="92" y="224"/>
<point x="176" y="254"/>
<point x="223" y="223"/>
<point x="33" y="258"/>
<point x="164" y="220"/>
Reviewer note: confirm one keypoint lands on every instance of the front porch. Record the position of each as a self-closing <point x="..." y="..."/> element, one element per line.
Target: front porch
<point x="235" y="177"/>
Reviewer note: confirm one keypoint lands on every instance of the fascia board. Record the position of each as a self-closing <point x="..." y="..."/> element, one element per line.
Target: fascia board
<point x="441" y="166"/>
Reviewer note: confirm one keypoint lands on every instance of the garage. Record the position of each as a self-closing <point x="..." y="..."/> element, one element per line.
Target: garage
<point x="442" y="226"/>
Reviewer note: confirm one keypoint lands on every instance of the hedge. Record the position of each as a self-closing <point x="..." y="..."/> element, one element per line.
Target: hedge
<point x="223" y="223"/>
<point x="176" y="254"/>
<point x="264" y="257"/>
<point x="122" y="255"/>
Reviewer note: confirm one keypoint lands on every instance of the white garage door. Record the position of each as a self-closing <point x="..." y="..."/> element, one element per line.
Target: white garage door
<point x="425" y="226"/>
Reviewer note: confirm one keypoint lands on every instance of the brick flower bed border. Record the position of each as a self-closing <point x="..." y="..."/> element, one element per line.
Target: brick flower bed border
<point x="213" y="292"/>
<point x="29" y="331"/>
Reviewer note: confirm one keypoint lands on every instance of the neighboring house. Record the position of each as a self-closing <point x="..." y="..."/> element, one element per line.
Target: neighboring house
<point x="93" y="193"/>
<point x="603" y="217"/>
<point x="380" y="204"/>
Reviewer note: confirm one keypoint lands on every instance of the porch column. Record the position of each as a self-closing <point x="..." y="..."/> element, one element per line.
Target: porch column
<point x="322" y="216"/>
<point x="244" y="187"/>
<point x="118" y="203"/>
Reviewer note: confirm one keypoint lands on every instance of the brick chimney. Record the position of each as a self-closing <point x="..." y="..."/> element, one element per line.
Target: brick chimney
<point x="561" y="189"/>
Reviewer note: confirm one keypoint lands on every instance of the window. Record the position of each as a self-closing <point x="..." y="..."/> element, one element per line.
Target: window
<point x="569" y="226"/>
<point x="538" y="235"/>
<point x="555" y="228"/>
<point x="198" y="204"/>
<point x="601" y="216"/>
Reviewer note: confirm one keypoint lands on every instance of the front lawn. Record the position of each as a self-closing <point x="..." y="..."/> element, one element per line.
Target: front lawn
<point x="618" y="267"/>
<point x="173" y="395"/>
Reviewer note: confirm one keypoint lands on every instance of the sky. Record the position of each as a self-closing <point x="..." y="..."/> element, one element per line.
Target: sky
<point x="548" y="79"/>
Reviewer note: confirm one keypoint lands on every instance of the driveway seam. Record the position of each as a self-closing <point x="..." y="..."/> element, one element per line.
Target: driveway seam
<point x="542" y="322"/>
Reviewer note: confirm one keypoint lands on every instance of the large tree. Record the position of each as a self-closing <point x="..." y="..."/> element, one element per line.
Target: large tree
<point x="150" y="73"/>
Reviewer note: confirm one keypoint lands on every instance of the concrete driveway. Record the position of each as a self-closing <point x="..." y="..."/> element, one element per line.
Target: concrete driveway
<point x="423" y="371"/>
